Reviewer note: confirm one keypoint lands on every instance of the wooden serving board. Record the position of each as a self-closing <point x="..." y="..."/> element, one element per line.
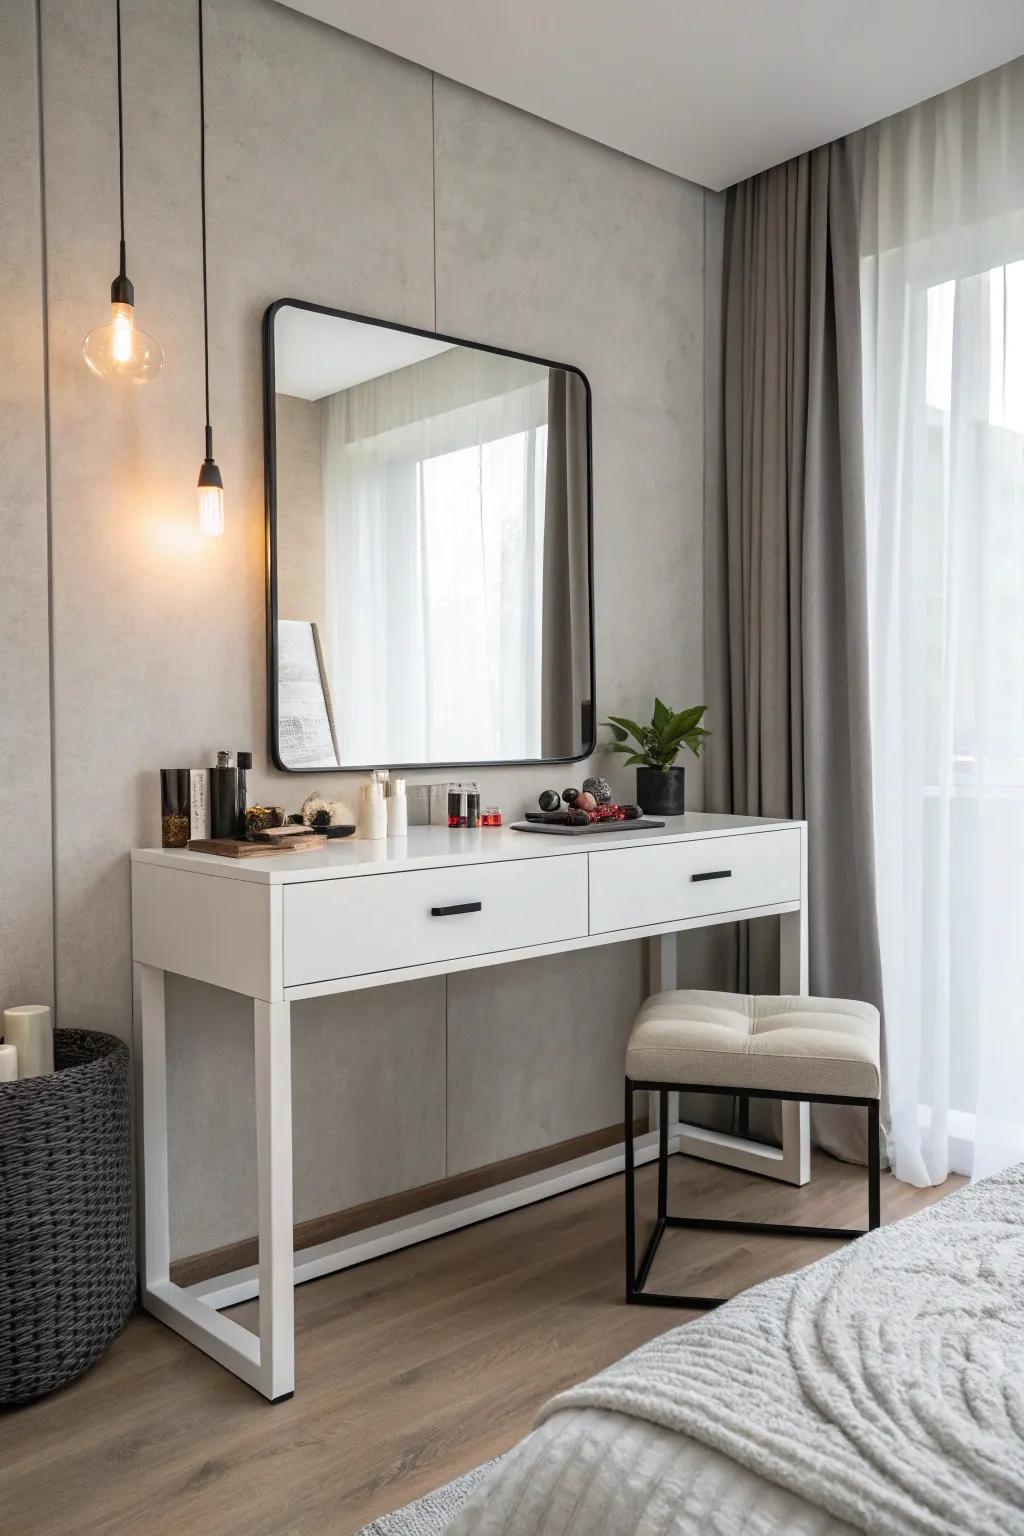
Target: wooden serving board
<point x="236" y="848"/>
<point x="559" y="829"/>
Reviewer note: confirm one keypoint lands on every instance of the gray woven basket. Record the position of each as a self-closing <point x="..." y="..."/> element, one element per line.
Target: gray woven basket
<point x="67" y="1265"/>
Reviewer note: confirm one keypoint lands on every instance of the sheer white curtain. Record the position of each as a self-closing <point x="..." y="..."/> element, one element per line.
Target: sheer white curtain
<point x="434" y="523"/>
<point x="943" y="320"/>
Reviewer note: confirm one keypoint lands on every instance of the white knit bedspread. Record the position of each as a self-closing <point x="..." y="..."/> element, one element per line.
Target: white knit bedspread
<point x="882" y="1386"/>
<point x="587" y="1472"/>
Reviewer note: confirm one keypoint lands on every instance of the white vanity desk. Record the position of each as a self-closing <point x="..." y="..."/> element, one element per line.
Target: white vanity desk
<point x="363" y="914"/>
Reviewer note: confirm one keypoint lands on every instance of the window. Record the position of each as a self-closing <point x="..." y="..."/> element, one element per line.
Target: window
<point x="944" y="434"/>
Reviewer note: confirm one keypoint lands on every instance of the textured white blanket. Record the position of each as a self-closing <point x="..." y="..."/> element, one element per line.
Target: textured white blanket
<point x="884" y="1384"/>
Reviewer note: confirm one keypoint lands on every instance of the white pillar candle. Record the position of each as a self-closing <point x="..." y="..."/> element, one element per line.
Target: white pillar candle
<point x="30" y="1030"/>
<point x="8" y="1064"/>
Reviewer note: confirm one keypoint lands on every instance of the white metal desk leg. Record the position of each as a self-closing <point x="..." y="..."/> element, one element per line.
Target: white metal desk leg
<point x="663" y="975"/>
<point x="274" y="1169"/>
<point x="151" y="1120"/>
<point x="793" y="980"/>
<point x="221" y="1337"/>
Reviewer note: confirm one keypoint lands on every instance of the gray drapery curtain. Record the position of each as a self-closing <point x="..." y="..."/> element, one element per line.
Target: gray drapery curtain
<point x="786" y="569"/>
<point x="565" y="621"/>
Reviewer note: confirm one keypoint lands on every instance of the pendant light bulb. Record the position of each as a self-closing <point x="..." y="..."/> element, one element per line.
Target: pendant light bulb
<point x="211" y="486"/>
<point x="211" y="493"/>
<point x="119" y="350"/>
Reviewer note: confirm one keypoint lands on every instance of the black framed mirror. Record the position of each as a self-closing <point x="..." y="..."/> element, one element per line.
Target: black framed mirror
<point x="429" y="548"/>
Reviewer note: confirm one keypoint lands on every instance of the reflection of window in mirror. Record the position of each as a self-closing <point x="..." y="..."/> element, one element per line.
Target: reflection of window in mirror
<point x="432" y="522"/>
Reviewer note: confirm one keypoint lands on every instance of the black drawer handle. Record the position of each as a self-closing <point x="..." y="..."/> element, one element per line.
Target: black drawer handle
<point x="713" y="874"/>
<point x="462" y="906"/>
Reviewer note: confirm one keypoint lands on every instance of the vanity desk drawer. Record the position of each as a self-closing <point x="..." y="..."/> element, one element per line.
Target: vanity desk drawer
<point x="669" y="882"/>
<point x="354" y="927"/>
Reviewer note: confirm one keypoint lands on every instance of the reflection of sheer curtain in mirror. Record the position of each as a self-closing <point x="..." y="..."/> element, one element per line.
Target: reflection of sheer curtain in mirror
<point x="434" y="480"/>
<point x="943" y="306"/>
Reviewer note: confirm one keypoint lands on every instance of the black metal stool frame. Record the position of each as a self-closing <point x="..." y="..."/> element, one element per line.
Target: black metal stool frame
<point x="637" y="1278"/>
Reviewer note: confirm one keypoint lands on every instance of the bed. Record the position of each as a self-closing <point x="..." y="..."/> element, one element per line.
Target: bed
<point x="880" y="1390"/>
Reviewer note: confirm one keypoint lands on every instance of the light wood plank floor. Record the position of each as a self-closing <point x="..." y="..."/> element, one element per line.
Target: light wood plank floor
<point x="410" y="1369"/>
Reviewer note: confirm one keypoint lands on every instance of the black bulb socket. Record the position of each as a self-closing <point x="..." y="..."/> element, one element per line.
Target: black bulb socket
<point x="122" y="290"/>
<point x="209" y="475"/>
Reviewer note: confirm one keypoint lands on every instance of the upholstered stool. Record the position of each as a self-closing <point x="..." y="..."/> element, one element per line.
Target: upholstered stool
<point x="818" y="1050"/>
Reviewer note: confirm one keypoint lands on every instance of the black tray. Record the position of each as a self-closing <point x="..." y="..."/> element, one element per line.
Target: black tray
<point x="557" y="829"/>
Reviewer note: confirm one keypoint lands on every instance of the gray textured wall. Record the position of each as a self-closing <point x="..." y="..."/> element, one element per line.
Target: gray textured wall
<point x="336" y="172"/>
<point x="26" y="906"/>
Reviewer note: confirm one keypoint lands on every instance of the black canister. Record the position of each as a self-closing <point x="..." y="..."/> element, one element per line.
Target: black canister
<point x="227" y="802"/>
<point x="175" y="810"/>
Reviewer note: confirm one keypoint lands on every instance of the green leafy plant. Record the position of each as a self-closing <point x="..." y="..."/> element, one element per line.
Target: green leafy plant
<point x="659" y="744"/>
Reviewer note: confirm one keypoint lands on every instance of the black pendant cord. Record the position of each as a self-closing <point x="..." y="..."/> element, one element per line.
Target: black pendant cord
<point x="120" y="132"/>
<point x="202" y="204"/>
<point x="121" y="290"/>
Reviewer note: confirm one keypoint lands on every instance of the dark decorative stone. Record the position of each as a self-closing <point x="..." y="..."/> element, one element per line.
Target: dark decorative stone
<point x="570" y="795"/>
<point x="600" y="789"/>
<point x="549" y="800"/>
<point x="630" y="812"/>
<point x="577" y="818"/>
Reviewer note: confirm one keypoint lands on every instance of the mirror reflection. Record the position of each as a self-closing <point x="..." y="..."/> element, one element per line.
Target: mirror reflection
<point x="430" y="549"/>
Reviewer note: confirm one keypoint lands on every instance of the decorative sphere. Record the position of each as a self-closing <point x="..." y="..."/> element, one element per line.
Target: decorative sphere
<point x="600" y="789"/>
<point x="585" y="801"/>
<point x="549" y="800"/>
<point x="316" y="811"/>
<point x="570" y="795"/>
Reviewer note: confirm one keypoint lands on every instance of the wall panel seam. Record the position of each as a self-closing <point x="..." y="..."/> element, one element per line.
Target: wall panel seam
<point x="433" y="189"/>
<point x="44" y="299"/>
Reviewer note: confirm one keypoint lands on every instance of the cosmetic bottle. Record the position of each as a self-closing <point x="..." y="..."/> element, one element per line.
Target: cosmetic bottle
<point x="244" y="761"/>
<point x="453" y="805"/>
<point x="473" y="808"/>
<point x="398" y="810"/>
<point x="227" y="811"/>
<point x="198" y="802"/>
<point x="373" y="815"/>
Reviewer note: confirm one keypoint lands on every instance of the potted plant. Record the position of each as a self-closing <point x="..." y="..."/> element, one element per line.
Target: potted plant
<point x="660" y="786"/>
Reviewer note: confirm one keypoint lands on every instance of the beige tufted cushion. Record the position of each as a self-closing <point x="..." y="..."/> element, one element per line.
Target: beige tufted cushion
<point x="822" y="1045"/>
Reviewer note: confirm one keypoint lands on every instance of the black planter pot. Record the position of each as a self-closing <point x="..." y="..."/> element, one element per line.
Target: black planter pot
<point x="661" y="792"/>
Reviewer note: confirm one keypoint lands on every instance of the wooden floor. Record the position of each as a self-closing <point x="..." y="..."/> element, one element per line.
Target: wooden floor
<point x="410" y="1369"/>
